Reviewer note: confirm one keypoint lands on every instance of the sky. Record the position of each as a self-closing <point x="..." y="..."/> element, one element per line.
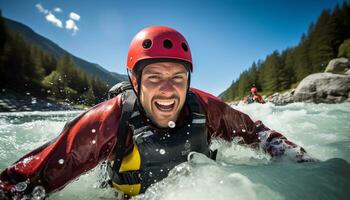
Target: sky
<point x="225" y="36"/>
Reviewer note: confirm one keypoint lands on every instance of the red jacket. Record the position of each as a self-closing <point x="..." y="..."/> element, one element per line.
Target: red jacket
<point x="91" y="138"/>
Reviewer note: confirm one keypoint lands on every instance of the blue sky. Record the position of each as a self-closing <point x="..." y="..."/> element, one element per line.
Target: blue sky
<point x="225" y="36"/>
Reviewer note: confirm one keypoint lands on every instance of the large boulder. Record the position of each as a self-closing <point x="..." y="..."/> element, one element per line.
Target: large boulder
<point x="338" y="66"/>
<point x="323" y="88"/>
<point x="347" y="72"/>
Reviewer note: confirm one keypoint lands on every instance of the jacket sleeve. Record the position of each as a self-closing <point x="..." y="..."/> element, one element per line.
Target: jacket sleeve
<point x="83" y="143"/>
<point x="227" y="123"/>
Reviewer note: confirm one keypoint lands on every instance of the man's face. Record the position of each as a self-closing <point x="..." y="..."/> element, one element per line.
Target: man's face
<point x="163" y="91"/>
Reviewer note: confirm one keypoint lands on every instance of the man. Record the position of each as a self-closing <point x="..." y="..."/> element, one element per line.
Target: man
<point x="143" y="132"/>
<point x="253" y="97"/>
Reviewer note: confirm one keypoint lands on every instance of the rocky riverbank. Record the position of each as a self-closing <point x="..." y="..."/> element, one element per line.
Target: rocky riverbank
<point x="13" y="102"/>
<point x="331" y="86"/>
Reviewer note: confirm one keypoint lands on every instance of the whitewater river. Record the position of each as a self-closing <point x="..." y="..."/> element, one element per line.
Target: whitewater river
<point x="239" y="173"/>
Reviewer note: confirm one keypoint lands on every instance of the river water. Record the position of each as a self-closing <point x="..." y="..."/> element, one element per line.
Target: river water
<point x="239" y="172"/>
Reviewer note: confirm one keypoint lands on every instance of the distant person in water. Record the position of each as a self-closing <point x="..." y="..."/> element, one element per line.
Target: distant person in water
<point x="253" y="97"/>
<point x="144" y="130"/>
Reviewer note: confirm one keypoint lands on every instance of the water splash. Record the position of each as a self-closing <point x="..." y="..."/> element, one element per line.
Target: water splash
<point x="240" y="172"/>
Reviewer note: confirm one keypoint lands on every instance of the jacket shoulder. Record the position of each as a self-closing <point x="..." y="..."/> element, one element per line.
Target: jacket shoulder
<point x="206" y="98"/>
<point x="109" y="109"/>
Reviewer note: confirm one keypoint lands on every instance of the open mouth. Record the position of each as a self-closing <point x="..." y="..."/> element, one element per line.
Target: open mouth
<point x="165" y="105"/>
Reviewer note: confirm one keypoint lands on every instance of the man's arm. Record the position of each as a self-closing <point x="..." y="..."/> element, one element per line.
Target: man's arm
<point x="83" y="143"/>
<point x="225" y="122"/>
<point x="260" y="99"/>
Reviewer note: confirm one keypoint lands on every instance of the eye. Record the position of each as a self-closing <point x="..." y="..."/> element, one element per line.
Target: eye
<point x="154" y="78"/>
<point x="179" y="78"/>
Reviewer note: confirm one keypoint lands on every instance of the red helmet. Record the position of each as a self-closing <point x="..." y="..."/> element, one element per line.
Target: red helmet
<point x="253" y="90"/>
<point x="158" y="42"/>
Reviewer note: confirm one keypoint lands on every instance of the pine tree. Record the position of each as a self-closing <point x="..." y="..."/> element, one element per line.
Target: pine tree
<point x="344" y="49"/>
<point x="321" y="42"/>
<point x="302" y="63"/>
<point x="270" y="72"/>
<point x="286" y="73"/>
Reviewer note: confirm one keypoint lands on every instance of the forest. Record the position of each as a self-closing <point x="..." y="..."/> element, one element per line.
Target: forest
<point x="324" y="40"/>
<point x="26" y="69"/>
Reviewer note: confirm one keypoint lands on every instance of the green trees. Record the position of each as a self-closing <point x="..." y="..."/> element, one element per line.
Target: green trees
<point x="328" y="38"/>
<point x="25" y="68"/>
<point x="72" y="85"/>
<point x="344" y="49"/>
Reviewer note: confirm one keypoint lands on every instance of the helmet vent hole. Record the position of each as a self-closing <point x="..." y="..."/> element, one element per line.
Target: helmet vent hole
<point x="184" y="46"/>
<point x="146" y="43"/>
<point x="167" y="44"/>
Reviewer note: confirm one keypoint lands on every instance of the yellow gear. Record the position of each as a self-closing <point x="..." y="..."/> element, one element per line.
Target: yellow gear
<point x="131" y="162"/>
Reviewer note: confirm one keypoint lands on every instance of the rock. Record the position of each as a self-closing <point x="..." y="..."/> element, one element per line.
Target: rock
<point x="338" y="66"/>
<point x="13" y="102"/>
<point x="316" y="88"/>
<point x="347" y="72"/>
<point x="281" y="99"/>
<point x="323" y="88"/>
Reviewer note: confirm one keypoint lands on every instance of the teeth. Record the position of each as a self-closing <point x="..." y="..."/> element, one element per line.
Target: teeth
<point x="165" y="102"/>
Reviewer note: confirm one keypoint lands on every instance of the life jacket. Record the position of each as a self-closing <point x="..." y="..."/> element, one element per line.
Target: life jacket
<point x="157" y="151"/>
<point x="250" y="99"/>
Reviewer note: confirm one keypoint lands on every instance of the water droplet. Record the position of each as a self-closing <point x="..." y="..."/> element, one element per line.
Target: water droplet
<point x="93" y="142"/>
<point x="171" y="124"/>
<point x="93" y="130"/>
<point x="188" y="133"/>
<point x="157" y="149"/>
<point x="243" y="130"/>
<point x="38" y="193"/>
<point x="150" y="174"/>
<point x="20" y="187"/>
<point x="161" y="170"/>
<point x="189" y="125"/>
<point x="162" y="151"/>
<point x="61" y="161"/>
<point x="234" y="131"/>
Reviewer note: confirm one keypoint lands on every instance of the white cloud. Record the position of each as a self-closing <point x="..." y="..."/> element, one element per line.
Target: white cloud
<point x="51" y="18"/>
<point x="74" y="16"/>
<point x="41" y="8"/>
<point x="70" y="25"/>
<point x="57" y="9"/>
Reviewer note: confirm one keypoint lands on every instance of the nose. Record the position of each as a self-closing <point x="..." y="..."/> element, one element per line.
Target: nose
<point x="166" y="87"/>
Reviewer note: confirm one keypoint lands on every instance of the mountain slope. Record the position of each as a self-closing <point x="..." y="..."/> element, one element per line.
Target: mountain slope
<point x="47" y="45"/>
